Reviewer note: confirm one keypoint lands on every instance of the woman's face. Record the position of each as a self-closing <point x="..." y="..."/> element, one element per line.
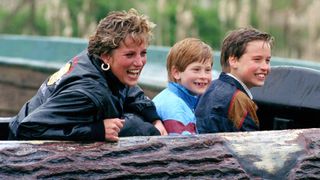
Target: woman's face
<point x="127" y="61"/>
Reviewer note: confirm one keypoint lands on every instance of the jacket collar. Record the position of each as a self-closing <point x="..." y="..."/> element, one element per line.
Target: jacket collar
<point x="184" y="94"/>
<point x="229" y="78"/>
<point x="113" y="82"/>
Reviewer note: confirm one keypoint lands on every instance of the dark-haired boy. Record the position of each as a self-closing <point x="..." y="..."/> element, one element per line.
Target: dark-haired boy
<point x="227" y="104"/>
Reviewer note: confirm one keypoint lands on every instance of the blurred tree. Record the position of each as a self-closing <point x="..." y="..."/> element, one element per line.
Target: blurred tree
<point x="57" y="16"/>
<point x="23" y="13"/>
<point x="162" y="24"/>
<point x="294" y="23"/>
<point x="208" y="24"/>
<point x="184" y="18"/>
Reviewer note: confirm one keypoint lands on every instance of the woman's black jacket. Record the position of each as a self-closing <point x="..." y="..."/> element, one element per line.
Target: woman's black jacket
<point x="72" y="103"/>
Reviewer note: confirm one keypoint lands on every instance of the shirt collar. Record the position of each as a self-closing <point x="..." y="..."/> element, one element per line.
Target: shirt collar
<point x="184" y="94"/>
<point x="243" y="85"/>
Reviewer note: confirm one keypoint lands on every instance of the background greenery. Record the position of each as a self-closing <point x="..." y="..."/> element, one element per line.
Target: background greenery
<point x="294" y="23"/>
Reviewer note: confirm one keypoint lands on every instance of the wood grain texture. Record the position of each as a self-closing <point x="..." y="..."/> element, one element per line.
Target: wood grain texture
<point x="289" y="154"/>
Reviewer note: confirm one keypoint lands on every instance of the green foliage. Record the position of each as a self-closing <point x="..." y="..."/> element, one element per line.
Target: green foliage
<point x="254" y="17"/>
<point x="2" y="14"/>
<point x="41" y="25"/>
<point x="283" y="4"/>
<point x="280" y="42"/>
<point x="206" y="24"/>
<point x="17" y="23"/>
<point x="172" y="22"/>
<point x="102" y="7"/>
<point x="209" y="26"/>
<point x="74" y="6"/>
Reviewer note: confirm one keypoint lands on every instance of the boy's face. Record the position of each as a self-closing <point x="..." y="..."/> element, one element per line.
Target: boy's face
<point x="196" y="77"/>
<point x="254" y="65"/>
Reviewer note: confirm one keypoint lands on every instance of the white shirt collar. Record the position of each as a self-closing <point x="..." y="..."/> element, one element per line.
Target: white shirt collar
<point x="243" y="85"/>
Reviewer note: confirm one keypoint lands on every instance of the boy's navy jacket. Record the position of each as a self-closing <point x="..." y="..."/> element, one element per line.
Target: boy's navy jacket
<point x="225" y="107"/>
<point x="73" y="102"/>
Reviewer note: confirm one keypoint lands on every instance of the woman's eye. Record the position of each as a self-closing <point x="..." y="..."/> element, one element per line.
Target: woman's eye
<point x="129" y="55"/>
<point x="143" y="54"/>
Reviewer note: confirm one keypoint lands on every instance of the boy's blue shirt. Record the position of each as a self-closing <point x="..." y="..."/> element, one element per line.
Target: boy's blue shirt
<point x="184" y="94"/>
<point x="176" y="103"/>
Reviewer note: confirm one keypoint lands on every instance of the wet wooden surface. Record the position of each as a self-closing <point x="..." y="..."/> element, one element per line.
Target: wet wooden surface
<point x="288" y="154"/>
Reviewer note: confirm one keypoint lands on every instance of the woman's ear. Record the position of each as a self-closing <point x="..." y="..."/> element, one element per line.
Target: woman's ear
<point x="105" y="58"/>
<point x="175" y="73"/>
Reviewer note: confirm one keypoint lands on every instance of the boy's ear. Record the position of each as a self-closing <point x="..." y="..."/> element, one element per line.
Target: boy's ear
<point x="233" y="62"/>
<point x="175" y="73"/>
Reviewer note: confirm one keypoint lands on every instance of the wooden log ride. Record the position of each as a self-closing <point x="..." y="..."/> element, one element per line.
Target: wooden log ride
<point x="288" y="100"/>
<point x="285" y="154"/>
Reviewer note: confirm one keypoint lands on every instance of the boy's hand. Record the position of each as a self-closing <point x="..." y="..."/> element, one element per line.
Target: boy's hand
<point x="158" y="124"/>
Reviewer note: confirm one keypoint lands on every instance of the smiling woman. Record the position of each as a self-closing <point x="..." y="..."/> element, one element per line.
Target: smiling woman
<point x="95" y="96"/>
<point x="127" y="61"/>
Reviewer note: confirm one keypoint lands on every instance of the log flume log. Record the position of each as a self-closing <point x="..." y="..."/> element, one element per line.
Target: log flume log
<point x="287" y="154"/>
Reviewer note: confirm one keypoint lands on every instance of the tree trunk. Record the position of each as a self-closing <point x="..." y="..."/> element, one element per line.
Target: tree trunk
<point x="289" y="154"/>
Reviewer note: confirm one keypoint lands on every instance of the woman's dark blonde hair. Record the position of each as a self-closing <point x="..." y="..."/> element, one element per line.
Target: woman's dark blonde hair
<point x="185" y="52"/>
<point x="114" y="29"/>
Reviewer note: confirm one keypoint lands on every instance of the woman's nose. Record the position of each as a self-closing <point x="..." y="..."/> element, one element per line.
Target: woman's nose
<point x="139" y="61"/>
